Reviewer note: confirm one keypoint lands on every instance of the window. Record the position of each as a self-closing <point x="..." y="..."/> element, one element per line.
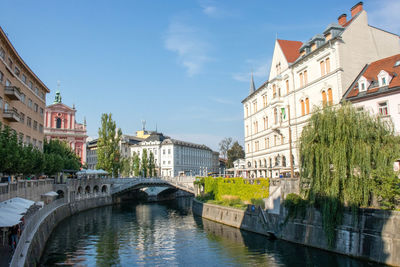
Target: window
<point x="265" y="123"/>
<point x="6" y="106"/>
<point x="275" y="116"/>
<point x="28" y="140"/>
<point x="28" y="121"/>
<point x="21" y="137"/>
<point x="1" y="103"/>
<point x="41" y="112"/>
<point x="41" y="95"/>
<point x="247" y="111"/>
<point x="16" y="71"/>
<point x="23" y="78"/>
<point x="22" y="117"/>
<point x="35" y="125"/>
<point x="2" y="53"/>
<point x="267" y="143"/>
<point x="255" y="125"/>
<point x="322" y="65"/>
<point x="330" y="97"/>
<point x="247" y="130"/>
<point x="323" y="98"/>
<point x="36" y="107"/>
<point x="284" y="161"/>
<point x="10" y="62"/>
<point x="58" y="123"/>
<point x="275" y="139"/>
<point x="29" y="103"/>
<point x="328" y="65"/>
<point x="301" y="79"/>
<point x="362" y="87"/>
<point x="169" y="151"/>
<point x="248" y="148"/>
<point x="274" y="91"/>
<point x="302" y="108"/>
<point x="255" y="106"/>
<point x="36" y="91"/>
<point x="8" y="83"/>
<point x="163" y="151"/>
<point x="30" y="85"/>
<point x="383" y="81"/>
<point x="264" y="101"/>
<point x="287" y="86"/>
<point x="256" y="146"/>
<point x="305" y="77"/>
<point x="1" y="77"/>
<point x="383" y="108"/>
<point x="308" y="105"/>
<point x="34" y="142"/>
<point x="40" y="144"/>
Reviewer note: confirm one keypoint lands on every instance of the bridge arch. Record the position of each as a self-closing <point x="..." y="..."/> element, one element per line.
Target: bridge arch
<point x="96" y="189"/>
<point x="87" y="189"/>
<point x="60" y="194"/>
<point x="104" y="189"/>
<point x="80" y="190"/>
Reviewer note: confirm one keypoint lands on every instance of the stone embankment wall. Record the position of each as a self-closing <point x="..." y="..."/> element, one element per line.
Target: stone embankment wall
<point x="33" y="251"/>
<point x="32" y="189"/>
<point x="371" y="235"/>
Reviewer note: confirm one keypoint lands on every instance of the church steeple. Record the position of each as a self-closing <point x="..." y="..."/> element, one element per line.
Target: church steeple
<point x="252" y="86"/>
<point x="57" y="99"/>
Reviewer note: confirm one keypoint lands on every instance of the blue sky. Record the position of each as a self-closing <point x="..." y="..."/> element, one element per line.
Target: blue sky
<point x="181" y="65"/>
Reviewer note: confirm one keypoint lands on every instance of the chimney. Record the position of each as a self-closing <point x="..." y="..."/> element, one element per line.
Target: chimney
<point x="356" y="9"/>
<point x="342" y="19"/>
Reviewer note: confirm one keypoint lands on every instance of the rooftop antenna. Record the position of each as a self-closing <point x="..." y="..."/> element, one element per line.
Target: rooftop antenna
<point x="143" y="125"/>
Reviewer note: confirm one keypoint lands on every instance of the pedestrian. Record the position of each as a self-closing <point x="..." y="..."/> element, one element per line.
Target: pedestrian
<point x="14" y="237"/>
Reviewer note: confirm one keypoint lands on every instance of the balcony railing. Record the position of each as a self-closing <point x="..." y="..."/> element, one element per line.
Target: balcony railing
<point x="11" y="115"/>
<point x="12" y="92"/>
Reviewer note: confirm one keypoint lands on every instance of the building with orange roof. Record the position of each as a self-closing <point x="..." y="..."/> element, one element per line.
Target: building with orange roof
<point x="376" y="89"/>
<point x="304" y="76"/>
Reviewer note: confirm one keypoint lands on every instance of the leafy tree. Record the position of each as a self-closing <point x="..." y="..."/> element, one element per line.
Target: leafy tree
<point x="59" y="156"/>
<point x="152" y="165"/>
<point x="347" y="158"/>
<point x="136" y="165"/>
<point x="225" y="145"/>
<point x="145" y="163"/>
<point x="108" y="154"/>
<point x="126" y="166"/>
<point x="234" y="153"/>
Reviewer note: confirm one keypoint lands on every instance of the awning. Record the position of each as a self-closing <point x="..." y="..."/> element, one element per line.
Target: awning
<point x="12" y="210"/>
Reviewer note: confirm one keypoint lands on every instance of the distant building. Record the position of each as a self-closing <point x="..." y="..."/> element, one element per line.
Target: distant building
<point x="304" y="76"/>
<point x="91" y="154"/>
<point x="60" y="124"/>
<point x="376" y="89"/>
<point x="22" y="95"/>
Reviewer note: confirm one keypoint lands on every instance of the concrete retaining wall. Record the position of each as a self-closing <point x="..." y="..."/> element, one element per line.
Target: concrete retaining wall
<point x="32" y="189"/>
<point x="372" y="235"/>
<point x="46" y="226"/>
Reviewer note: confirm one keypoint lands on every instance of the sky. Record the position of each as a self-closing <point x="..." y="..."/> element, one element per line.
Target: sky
<point x="182" y="66"/>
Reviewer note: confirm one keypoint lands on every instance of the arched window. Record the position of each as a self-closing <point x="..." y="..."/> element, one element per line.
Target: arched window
<point x="284" y="161"/>
<point x="58" y="123"/>
<point x="275" y="116"/>
<point x="305" y="77"/>
<point x="308" y="105"/>
<point x="274" y="91"/>
<point x="302" y="108"/>
<point x="323" y="98"/>
<point x="328" y="65"/>
<point x="330" y="98"/>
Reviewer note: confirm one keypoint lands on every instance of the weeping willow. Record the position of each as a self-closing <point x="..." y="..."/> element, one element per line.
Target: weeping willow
<point x="347" y="160"/>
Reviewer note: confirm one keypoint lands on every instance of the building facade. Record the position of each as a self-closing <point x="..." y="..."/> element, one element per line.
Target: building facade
<point x="91" y="154"/>
<point x="22" y="95"/>
<point x="304" y="77"/>
<point x="60" y="124"/>
<point x="174" y="157"/>
<point x="376" y="90"/>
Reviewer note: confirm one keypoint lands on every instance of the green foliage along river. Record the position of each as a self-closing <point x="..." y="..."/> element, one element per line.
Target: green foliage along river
<point x="167" y="234"/>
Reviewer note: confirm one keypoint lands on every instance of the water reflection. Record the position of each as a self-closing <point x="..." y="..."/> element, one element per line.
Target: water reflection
<point x="167" y="234"/>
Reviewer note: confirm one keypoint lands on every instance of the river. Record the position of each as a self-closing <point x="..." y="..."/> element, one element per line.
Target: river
<point x="168" y="234"/>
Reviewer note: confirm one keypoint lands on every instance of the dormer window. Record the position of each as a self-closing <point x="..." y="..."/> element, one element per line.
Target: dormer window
<point x="383" y="78"/>
<point x="362" y="84"/>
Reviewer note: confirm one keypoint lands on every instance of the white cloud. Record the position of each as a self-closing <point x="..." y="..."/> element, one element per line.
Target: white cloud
<point x="261" y="71"/>
<point x="213" y="9"/>
<point x="385" y="14"/>
<point x="210" y="10"/>
<point x="186" y="42"/>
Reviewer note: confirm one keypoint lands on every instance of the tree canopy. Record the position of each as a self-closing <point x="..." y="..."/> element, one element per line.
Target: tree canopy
<point x="108" y="153"/>
<point x="234" y="153"/>
<point x="225" y="145"/>
<point x="346" y="159"/>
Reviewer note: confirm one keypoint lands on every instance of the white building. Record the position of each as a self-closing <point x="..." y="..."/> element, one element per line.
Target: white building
<point x="304" y="76"/>
<point x="377" y="90"/>
<point x="174" y="157"/>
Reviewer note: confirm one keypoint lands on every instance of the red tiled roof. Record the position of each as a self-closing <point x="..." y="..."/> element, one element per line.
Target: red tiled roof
<point x="373" y="69"/>
<point x="290" y="49"/>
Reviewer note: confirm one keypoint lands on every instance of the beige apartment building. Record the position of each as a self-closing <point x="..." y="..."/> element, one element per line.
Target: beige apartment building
<point x="22" y="95"/>
<point x="305" y="76"/>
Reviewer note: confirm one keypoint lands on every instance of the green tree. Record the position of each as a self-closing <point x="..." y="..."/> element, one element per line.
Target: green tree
<point x="145" y="163"/>
<point x="225" y="145"/>
<point x="234" y="153"/>
<point x="346" y="158"/>
<point x="108" y="153"/>
<point x="136" y="165"/>
<point x="58" y="156"/>
<point x="152" y="165"/>
<point x="126" y="166"/>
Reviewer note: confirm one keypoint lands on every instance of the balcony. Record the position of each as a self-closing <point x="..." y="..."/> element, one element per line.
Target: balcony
<point x="276" y="100"/>
<point x="12" y="92"/>
<point x="11" y="115"/>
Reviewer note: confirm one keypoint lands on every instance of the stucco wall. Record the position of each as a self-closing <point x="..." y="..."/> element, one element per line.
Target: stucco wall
<point x="372" y="235"/>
